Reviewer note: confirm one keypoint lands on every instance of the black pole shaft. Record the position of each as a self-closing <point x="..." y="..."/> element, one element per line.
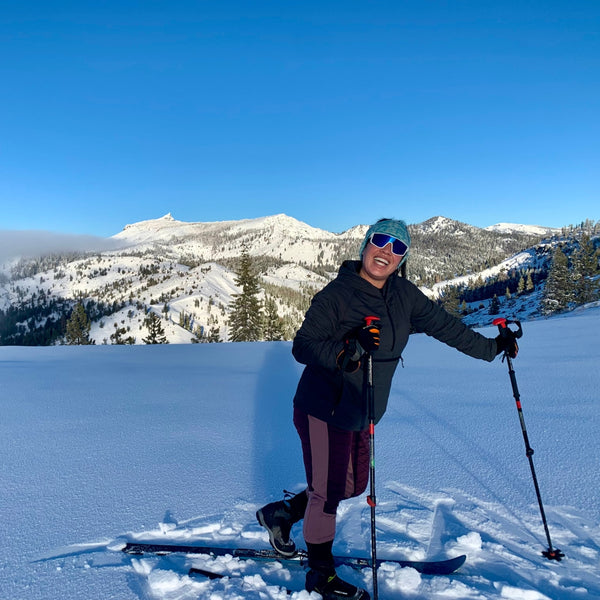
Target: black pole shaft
<point x="529" y="451"/>
<point x="371" y="499"/>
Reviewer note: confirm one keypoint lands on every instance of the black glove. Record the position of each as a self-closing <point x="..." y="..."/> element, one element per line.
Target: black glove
<point x="360" y="340"/>
<point x="349" y="358"/>
<point x="507" y="342"/>
<point x="368" y="337"/>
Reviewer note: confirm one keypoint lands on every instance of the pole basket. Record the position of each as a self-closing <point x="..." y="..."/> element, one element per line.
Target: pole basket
<point x="553" y="554"/>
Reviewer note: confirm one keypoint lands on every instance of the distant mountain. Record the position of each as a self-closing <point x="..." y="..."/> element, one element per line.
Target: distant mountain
<point x="511" y="228"/>
<point x="185" y="272"/>
<point x="280" y="238"/>
<point x="444" y="249"/>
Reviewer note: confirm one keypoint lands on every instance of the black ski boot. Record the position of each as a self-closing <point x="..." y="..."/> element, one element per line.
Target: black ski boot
<point x="278" y="517"/>
<point x="323" y="579"/>
<point x="331" y="587"/>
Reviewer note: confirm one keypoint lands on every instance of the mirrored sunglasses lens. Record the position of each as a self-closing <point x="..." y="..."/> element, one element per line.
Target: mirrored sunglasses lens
<point x="399" y="248"/>
<point x="381" y="240"/>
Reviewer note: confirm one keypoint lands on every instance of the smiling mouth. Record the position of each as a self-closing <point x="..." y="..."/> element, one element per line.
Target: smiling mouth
<point x="381" y="261"/>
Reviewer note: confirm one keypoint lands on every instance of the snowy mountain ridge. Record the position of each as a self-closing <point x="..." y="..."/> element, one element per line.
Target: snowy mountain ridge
<point x="167" y="227"/>
<point x="529" y="229"/>
<point x="185" y="272"/>
<point x="279" y="236"/>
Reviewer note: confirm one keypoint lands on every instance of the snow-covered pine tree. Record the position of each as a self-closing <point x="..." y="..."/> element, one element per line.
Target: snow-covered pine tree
<point x="245" y="322"/>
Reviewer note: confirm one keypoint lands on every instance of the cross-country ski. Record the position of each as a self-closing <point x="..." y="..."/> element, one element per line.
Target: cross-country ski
<point x="426" y="567"/>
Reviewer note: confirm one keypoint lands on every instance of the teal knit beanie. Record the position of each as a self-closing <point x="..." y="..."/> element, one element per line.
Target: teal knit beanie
<point x="394" y="227"/>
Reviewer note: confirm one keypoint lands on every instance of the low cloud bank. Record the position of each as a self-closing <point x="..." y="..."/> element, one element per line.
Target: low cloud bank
<point x="32" y="243"/>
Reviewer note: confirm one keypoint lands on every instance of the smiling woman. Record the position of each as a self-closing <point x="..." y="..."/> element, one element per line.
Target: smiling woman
<point x="365" y="311"/>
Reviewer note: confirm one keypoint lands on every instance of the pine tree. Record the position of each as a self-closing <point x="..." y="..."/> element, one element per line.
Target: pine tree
<point x="585" y="266"/>
<point x="156" y="333"/>
<point x="450" y="300"/>
<point x="494" y="306"/>
<point x="214" y="335"/>
<point x="186" y="321"/>
<point x="558" y="290"/>
<point x="245" y="320"/>
<point x="273" y="325"/>
<point x="529" y="284"/>
<point x="118" y="337"/>
<point x="201" y="337"/>
<point x="78" y="327"/>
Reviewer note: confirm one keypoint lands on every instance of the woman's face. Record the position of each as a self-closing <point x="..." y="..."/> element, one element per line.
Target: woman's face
<point x="378" y="264"/>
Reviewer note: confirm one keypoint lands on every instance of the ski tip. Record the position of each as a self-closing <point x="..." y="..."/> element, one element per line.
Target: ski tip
<point x="462" y="558"/>
<point x="442" y="567"/>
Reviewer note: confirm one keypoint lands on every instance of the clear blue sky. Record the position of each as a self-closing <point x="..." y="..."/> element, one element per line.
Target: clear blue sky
<point x="335" y="113"/>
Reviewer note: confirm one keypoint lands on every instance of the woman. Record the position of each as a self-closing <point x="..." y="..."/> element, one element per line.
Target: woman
<point x="330" y="413"/>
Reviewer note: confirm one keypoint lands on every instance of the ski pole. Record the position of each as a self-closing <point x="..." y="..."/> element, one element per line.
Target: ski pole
<point x="371" y="500"/>
<point x="505" y="331"/>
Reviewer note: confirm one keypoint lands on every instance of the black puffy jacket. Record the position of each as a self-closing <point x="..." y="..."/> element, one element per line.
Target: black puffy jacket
<point x="336" y="397"/>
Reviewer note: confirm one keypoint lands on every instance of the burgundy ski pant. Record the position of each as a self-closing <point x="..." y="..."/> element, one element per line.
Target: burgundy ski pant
<point x="337" y="467"/>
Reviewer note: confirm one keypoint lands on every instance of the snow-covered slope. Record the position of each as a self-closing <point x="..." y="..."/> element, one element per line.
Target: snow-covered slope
<point x="279" y="236"/>
<point x="529" y="229"/>
<point x="104" y="444"/>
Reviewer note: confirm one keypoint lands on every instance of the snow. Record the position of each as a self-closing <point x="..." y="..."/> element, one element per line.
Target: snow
<point x="515" y="227"/>
<point x="166" y="228"/>
<point x="519" y="261"/>
<point x="278" y="236"/>
<point x="104" y="444"/>
<point x="295" y="277"/>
